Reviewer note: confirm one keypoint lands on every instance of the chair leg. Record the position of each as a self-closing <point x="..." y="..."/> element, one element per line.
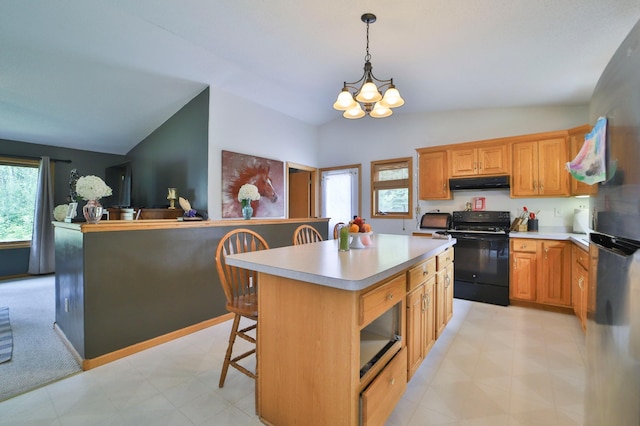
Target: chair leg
<point x="227" y="358"/>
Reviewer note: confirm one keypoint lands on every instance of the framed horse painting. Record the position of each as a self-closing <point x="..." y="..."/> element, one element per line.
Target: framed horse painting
<point x="267" y="175"/>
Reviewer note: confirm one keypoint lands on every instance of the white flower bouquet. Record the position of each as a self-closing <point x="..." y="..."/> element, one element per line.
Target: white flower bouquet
<point x="92" y="188"/>
<point x="248" y="193"/>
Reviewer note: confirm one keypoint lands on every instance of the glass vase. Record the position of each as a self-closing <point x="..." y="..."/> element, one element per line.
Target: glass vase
<point x="247" y="211"/>
<point x="92" y="211"/>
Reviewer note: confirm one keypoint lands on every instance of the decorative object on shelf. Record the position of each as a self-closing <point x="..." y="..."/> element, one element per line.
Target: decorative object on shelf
<point x="246" y="195"/>
<point x="72" y="212"/>
<point x="189" y="213"/>
<point x="73" y="180"/>
<point x="92" y="211"/>
<point x="92" y="188"/>
<point x="354" y="96"/>
<point x="60" y="212"/>
<point x="171" y="196"/>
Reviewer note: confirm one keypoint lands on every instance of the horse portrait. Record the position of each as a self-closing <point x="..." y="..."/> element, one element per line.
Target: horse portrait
<point x="267" y="175"/>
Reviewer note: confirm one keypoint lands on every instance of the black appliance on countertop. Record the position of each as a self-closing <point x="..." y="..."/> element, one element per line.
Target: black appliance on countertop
<point x="481" y="267"/>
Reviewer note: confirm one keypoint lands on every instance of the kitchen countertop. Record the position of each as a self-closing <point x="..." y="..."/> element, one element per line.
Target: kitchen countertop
<point x="581" y="239"/>
<point x="321" y="263"/>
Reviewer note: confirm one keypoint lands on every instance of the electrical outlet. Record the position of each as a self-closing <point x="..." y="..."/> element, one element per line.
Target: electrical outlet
<point x="66" y="304"/>
<point x="557" y="212"/>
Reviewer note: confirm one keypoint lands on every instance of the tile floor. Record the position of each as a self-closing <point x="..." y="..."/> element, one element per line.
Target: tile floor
<point x="492" y="366"/>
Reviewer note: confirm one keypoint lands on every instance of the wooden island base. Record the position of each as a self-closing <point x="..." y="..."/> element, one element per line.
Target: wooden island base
<point x="315" y="306"/>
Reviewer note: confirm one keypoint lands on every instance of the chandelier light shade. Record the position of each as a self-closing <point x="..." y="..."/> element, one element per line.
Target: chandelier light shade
<point x="364" y="96"/>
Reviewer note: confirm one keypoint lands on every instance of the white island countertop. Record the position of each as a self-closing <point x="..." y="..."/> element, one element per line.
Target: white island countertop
<point x="321" y="263"/>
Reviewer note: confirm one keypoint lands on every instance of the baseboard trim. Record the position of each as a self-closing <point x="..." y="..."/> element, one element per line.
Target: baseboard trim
<point x="542" y="307"/>
<point x="88" y="364"/>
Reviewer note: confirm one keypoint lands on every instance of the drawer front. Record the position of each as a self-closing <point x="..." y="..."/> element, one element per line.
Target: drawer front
<point x="377" y="301"/>
<point x="382" y="395"/>
<point x="444" y="258"/>
<point x="581" y="256"/>
<point x="525" y="245"/>
<point x="421" y="273"/>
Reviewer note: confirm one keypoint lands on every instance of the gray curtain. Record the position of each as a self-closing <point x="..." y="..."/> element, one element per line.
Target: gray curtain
<point x="42" y="255"/>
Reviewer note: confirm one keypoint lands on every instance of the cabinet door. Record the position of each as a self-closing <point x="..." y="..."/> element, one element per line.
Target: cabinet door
<point x="440" y="302"/>
<point x="576" y="140"/>
<point x="552" y="172"/>
<point x="430" y="315"/>
<point x="525" y="169"/>
<point x="448" y="293"/>
<point x="416" y="301"/>
<point x="493" y="160"/>
<point x="523" y="276"/>
<point x="555" y="279"/>
<point x="434" y="176"/>
<point x="464" y="162"/>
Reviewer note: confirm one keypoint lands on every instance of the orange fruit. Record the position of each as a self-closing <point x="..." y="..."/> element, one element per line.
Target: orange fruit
<point x="367" y="227"/>
<point x="354" y="228"/>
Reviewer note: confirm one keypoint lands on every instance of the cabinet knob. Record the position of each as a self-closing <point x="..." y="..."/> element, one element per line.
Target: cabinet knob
<point x="393" y="381"/>
<point x="389" y="296"/>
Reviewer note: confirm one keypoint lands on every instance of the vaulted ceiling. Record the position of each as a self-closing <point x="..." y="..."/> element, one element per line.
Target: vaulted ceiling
<point x="103" y="74"/>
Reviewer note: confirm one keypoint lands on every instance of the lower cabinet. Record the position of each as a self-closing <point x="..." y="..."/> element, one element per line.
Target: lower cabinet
<point x="444" y="289"/>
<point x="421" y="318"/>
<point x="579" y="283"/>
<point x="429" y="306"/>
<point x="541" y="271"/>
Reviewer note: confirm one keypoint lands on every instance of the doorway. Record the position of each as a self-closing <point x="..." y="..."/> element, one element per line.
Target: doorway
<point x="302" y="182"/>
<point x="341" y="188"/>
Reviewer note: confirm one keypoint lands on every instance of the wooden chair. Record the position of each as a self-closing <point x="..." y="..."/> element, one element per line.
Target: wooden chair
<point x="305" y="234"/>
<point x="240" y="288"/>
<point x="335" y="230"/>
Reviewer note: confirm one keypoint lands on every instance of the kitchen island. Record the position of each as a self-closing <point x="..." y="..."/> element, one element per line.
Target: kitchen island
<point x="315" y="305"/>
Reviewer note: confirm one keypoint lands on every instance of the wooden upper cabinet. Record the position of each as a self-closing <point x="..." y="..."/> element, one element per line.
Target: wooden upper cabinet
<point x="433" y="180"/>
<point x="576" y="140"/>
<point x="539" y="168"/>
<point x="484" y="160"/>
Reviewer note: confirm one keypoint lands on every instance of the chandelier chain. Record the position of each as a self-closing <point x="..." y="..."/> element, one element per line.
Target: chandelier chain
<point x="367" y="57"/>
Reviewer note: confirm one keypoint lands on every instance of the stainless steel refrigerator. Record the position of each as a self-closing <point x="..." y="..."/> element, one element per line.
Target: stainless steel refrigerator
<point x="613" y="300"/>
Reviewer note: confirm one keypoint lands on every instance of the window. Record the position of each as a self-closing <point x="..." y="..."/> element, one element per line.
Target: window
<point x="340" y="194"/>
<point x="391" y="188"/>
<point x="19" y="183"/>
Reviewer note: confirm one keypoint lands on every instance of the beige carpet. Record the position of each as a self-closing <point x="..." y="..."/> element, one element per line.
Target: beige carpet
<point x="39" y="356"/>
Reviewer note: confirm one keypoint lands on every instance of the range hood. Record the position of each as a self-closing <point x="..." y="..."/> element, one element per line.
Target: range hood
<point x="479" y="183"/>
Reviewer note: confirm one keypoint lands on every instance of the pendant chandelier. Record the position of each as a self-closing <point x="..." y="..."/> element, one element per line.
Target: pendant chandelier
<point x="365" y="95"/>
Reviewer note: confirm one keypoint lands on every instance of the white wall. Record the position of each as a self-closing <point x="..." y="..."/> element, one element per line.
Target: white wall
<point x="238" y="125"/>
<point x="365" y="140"/>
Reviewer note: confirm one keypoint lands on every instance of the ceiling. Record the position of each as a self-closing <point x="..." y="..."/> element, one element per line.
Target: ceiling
<point x="102" y="75"/>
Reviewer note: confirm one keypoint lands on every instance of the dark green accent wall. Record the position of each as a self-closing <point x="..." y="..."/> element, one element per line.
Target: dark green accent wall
<point x="16" y="261"/>
<point x="174" y="155"/>
<point x="126" y="287"/>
